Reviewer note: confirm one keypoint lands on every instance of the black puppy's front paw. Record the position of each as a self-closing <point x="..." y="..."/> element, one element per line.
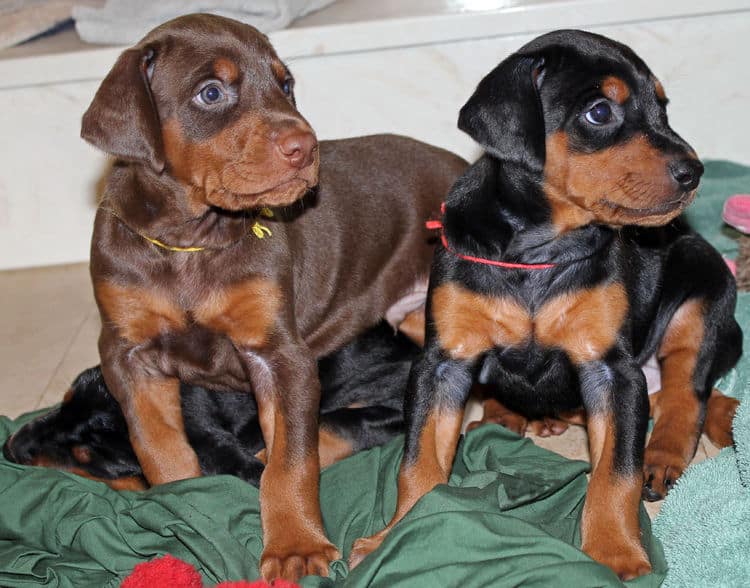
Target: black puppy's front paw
<point x="660" y="473"/>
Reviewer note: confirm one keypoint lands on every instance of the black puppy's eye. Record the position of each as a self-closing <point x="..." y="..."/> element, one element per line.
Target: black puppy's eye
<point x="211" y="94"/>
<point x="599" y="114"/>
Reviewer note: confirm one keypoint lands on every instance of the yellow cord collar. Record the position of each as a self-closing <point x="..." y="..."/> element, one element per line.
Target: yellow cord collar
<point x="258" y="229"/>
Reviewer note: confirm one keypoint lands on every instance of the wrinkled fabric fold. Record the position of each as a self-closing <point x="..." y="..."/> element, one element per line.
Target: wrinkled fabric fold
<point x="509" y="516"/>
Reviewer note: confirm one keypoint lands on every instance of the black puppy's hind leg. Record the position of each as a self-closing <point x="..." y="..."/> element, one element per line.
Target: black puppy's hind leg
<point x="701" y="342"/>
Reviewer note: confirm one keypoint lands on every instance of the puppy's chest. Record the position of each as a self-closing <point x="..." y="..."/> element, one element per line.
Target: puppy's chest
<point x="245" y="311"/>
<point x="584" y="324"/>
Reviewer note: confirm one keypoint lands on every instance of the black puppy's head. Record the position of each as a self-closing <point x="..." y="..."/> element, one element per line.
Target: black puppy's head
<point x="86" y="435"/>
<point x="588" y="118"/>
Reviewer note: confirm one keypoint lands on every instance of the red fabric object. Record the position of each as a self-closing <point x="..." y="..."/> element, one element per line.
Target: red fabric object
<point x="170" y="572"/>
<point x="258" y="584"/>
<point x="163" y="571"/>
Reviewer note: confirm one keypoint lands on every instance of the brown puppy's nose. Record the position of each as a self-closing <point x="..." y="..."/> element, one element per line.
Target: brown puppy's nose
<point x="296" y="147"/>
<point x="687" y="173"/>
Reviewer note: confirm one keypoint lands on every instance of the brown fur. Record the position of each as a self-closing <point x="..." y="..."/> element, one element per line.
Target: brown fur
<point x="634" y="176"/>
<point x="584" y="324"/>
<point x="139" y="314"/>
<point x="659" y="89"/>
<point x="237" y="311"/>
<point x="719" y="418"/>
<point x="677" y="413"/>
<point x="469" y="324"/>
<point x="615" y="89"/>
<point x="244" y="312"/>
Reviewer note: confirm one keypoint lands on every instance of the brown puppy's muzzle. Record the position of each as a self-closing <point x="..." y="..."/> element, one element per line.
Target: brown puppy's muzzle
<point x="276" y="168"/>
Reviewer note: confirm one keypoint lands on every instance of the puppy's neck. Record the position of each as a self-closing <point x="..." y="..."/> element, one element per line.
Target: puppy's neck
<point x="158" y="207"/>
<point x="499" y="210"/>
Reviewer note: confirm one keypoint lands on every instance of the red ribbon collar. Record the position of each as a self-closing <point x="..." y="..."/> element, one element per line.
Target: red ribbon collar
<point x="438" y="225"/>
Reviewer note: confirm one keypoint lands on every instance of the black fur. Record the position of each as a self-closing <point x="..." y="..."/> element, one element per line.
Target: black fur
<point x="370" y="373"/>
<point x="499" y="210"/>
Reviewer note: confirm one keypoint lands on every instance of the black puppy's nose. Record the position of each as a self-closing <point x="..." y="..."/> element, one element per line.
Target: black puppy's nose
<point x="687" y="173"/>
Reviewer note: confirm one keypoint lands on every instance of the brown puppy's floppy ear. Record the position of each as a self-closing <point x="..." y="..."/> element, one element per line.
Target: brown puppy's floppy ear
<point x="504" y="115"/>
<point x="122" y="119"/>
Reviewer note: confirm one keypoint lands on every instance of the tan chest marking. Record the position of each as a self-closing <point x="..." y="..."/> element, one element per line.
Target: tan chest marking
<point x="585" y="324"/>
<point x="245" y="312"/>
<point x="139" y="314"/>
<point x="469" y="323"/>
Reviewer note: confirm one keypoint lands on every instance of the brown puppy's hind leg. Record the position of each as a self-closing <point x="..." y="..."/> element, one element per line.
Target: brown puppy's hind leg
<point x="157" y="434"/>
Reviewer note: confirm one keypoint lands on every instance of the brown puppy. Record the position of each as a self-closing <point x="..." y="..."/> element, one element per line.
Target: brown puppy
<point x="196" y="284"/>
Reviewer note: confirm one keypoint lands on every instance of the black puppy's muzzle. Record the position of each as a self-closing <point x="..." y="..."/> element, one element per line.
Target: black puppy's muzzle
<point x="687" y="173"/>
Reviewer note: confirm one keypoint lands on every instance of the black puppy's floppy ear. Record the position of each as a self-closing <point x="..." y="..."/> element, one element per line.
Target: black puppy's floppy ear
<point x="122" y="119"/>
<point x="504" y="115"/>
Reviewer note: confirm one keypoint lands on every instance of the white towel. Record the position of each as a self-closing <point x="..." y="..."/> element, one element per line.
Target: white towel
<point x="124" y="22"/>
<point x="21" y="20"/>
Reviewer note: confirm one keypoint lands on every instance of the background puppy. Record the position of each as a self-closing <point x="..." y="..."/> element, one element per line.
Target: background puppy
<point x="195" y="284"/>
<point x="563" y="269"/>
<point x="362" y="386"/>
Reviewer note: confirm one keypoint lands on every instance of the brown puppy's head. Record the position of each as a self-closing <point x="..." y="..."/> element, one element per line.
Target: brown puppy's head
<point x="588" y="118"/>
<point x="206" y="100"/>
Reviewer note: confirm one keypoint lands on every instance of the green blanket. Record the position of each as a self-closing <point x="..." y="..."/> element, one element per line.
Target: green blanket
<point x="704" y="523"/>
<point x="509" y="517"/>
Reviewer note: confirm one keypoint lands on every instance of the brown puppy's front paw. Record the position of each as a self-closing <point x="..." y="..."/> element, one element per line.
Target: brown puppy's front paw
<point x="660" y="472"/>
<point x="627" y="561"/>
<point x="291" y="562"/>
<point x="363" y="547"/>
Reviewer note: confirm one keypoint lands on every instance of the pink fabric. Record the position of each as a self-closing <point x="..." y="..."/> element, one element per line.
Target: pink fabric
<point x="737" y="212"/>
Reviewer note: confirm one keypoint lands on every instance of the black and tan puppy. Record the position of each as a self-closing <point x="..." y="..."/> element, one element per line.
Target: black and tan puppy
<point x="194" y="282"/>
<point x="563" y="268"/>
<point x="362" y="387"/>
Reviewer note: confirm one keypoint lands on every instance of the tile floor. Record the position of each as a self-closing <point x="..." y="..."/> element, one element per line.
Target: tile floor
<point x="48" y="331"/>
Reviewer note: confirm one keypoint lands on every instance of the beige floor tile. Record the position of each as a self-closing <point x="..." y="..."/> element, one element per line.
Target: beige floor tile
<point x="81" y="354"/>
<point x="43" y="311"/>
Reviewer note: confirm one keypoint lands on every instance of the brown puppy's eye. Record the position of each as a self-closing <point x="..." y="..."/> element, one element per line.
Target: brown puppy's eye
<point x="212" y="94"/>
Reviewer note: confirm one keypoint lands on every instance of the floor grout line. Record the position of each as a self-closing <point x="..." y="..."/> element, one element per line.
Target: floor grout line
<point x="65" y="355"/>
